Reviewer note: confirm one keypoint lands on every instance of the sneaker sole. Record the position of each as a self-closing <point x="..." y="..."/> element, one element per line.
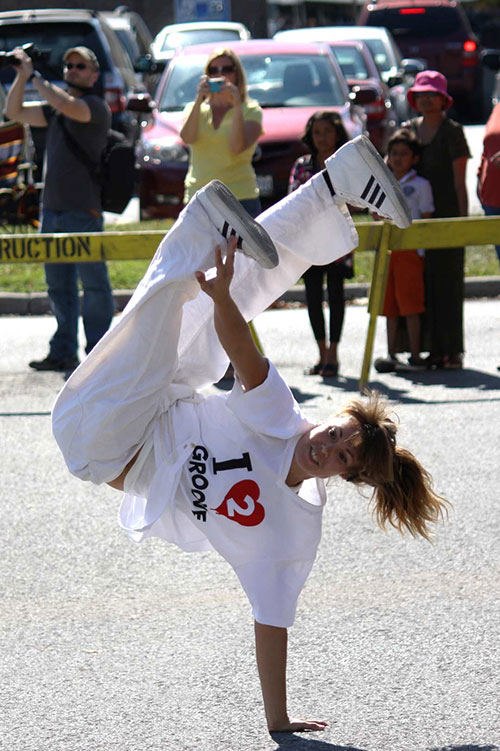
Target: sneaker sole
<point x="257" y="244"/>
<point x="387" y="181"/>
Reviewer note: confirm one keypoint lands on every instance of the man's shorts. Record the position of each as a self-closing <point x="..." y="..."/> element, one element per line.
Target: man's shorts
<point x="405" y="294"/>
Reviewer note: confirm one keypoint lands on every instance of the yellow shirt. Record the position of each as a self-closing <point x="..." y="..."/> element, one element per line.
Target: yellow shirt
<point x="212" y="159"/>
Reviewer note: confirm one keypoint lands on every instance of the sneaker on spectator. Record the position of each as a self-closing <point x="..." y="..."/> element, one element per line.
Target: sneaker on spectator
<point x="231" y="219"/>
<point x="359" y="176"/>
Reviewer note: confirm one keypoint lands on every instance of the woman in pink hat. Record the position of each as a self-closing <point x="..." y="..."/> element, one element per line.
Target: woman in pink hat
<point x="443" y="162"/>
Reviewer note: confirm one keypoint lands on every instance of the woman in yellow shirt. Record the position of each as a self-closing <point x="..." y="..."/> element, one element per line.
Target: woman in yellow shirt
<point x="221" y="127"/>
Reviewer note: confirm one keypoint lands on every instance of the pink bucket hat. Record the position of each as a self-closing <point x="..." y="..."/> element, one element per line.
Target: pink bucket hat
<point x="429" y="80"/>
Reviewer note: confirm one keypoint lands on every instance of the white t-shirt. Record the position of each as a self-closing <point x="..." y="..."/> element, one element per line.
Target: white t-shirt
<point x="218" y="483"/>
<point x="418" y="193"/>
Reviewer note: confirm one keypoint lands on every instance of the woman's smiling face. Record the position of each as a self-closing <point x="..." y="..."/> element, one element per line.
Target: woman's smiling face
<point x="326" y="450"/>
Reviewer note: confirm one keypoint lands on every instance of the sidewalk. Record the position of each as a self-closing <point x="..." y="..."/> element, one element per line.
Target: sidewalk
<point x="37" y="303"/>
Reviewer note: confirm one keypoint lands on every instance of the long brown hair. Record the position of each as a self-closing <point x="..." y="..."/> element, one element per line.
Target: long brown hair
<point x="241" y="79"/>
<point x="403" y="495"/>
<point x="330" y="117"/>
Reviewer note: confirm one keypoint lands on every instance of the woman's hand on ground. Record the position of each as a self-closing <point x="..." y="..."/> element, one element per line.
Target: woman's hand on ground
<point x="294" y="725"/>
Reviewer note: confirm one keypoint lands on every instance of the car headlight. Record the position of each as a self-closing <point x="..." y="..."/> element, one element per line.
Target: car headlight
<point x="156" y="152"/>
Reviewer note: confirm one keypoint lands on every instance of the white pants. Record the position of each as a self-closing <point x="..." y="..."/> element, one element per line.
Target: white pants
<point x="164" y="346"/>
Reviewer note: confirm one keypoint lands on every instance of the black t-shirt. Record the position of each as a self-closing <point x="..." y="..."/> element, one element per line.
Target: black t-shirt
<point x="68" y="183"/>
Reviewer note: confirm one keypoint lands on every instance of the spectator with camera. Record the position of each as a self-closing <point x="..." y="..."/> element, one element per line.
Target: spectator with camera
<point x="77" y="120"/>
<point x="221" y="127"/>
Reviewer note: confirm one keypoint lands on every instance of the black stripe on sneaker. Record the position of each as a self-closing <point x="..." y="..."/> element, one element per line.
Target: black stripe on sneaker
<point x="234" y="234"/>
<point x="374" y="194"/>
<point x="380" y="200"/>
<point x="328" y="182"/>
<point x="227" y="231"/>
<point x="367" y="188"/>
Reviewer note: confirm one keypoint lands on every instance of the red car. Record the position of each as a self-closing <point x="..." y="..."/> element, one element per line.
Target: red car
<point x="362" y="75"/>
<point x="290" y="81"/>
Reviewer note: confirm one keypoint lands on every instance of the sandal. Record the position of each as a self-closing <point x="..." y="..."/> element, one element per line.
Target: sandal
<point x="330" y="370"/>
<point x="315" y="369"/>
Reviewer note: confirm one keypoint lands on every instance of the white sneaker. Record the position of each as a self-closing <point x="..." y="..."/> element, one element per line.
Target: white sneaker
<point x="359" y="176"/>
<point x="231" y="219"/>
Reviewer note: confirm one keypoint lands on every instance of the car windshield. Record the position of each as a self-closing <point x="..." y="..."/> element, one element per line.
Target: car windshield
<point x="198" y="36"/>
<point x="52" y="39"/>
<point x="274" y="80"/>
<point x="419" y="23"/>
<point x="351" y="61"/>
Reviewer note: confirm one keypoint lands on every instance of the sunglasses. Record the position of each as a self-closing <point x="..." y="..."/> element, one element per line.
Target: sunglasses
<point x="214" y="70"/>
<point x="79" y="66"/>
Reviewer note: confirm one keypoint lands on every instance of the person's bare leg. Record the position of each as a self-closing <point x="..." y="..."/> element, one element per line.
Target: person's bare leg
<point x="331" y="354"/>
<point x="392" y="330"/>
<point x="323" y="350"/>
<point x="413" y="326"/>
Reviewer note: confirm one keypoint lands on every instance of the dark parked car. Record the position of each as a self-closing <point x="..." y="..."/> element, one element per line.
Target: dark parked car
<point x="290" y="81"/>
<point x="439" y="32"/>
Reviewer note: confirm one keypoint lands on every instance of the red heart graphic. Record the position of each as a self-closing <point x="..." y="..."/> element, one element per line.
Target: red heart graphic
<point x="240" y="504"/>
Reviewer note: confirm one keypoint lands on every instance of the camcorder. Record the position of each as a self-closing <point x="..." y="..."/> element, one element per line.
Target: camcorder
<point x="37" y="56"/>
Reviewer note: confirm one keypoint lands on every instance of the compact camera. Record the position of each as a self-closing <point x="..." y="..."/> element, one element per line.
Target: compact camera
<point x="215" y="84"/>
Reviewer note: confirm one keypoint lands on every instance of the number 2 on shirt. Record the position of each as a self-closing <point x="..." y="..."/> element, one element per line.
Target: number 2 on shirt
<point x="241" y="504"/>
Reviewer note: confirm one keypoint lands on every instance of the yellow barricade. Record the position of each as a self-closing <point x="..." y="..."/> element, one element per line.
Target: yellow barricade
<point x="423" y="233"/>
<point x="76" y="247"/>
<point x="381" y="237"/>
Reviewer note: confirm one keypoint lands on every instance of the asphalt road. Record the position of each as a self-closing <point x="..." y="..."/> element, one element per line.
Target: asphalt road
<point x="106" y="645"/>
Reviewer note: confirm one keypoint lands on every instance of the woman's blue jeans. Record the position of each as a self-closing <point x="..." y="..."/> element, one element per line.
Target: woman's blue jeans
<point x="62" y="288"/>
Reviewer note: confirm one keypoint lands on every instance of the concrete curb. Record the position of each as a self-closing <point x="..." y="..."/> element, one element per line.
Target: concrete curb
<point x="37" y="303"/>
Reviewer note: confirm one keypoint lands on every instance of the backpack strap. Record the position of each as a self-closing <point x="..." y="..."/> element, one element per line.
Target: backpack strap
<point x="82" y="156"/>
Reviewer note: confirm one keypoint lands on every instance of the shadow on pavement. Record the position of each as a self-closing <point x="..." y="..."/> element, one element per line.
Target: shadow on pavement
<point x="452" y="379"/>
<point x="293" y="742"/>
<point x="466" y="748"/>
<point x="456" y="379"/>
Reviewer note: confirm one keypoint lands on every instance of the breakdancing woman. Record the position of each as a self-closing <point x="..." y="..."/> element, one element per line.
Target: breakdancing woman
<point x="241" y="474"/>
